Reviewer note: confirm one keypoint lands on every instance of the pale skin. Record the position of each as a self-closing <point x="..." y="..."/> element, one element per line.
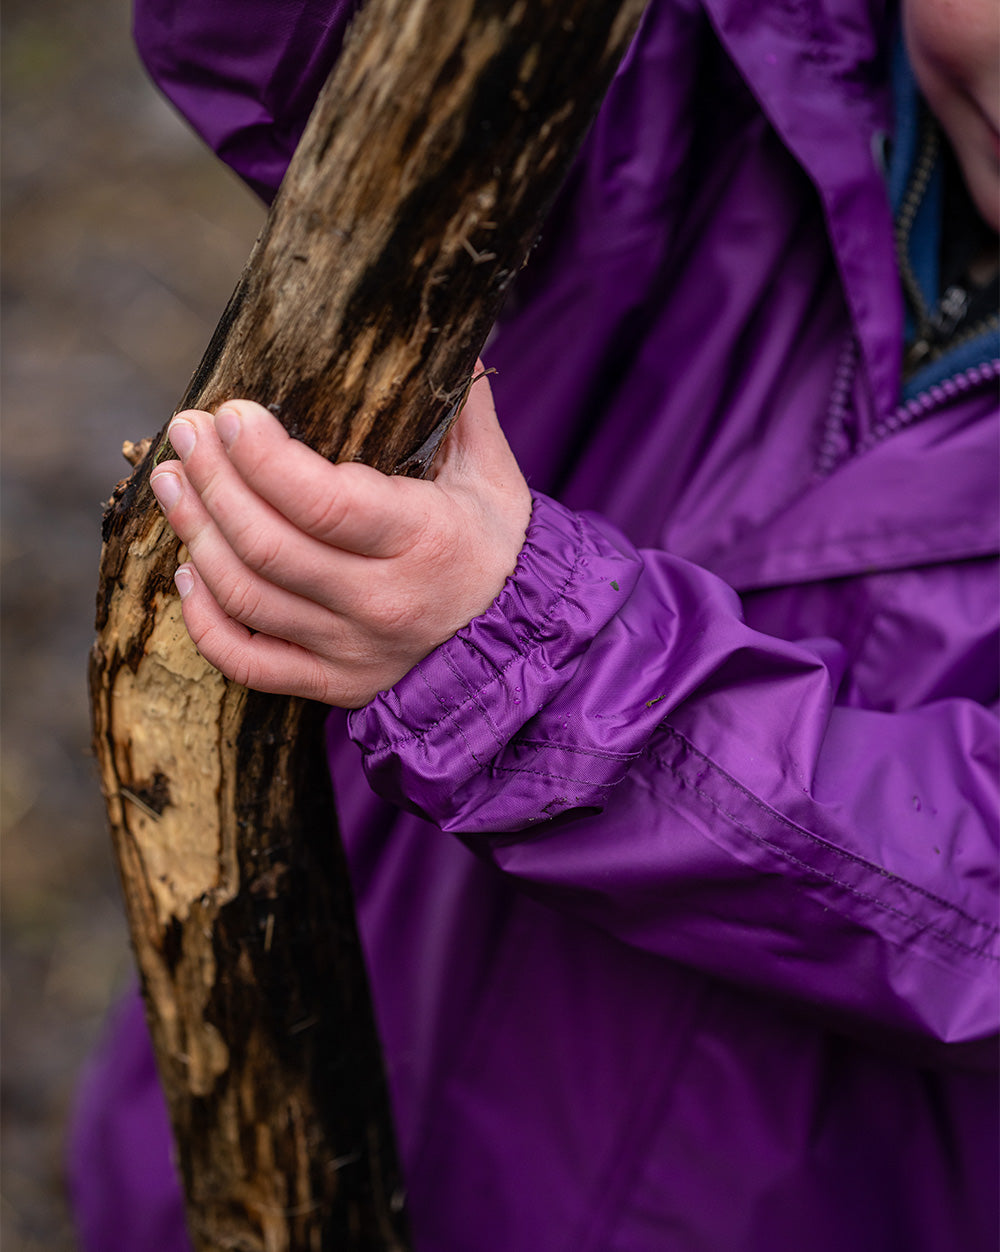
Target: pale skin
<point x="954" y="48"/>
<point x="332" y="581"/>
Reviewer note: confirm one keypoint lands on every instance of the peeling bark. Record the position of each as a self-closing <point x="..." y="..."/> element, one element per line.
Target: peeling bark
<point x="412" y="200"/>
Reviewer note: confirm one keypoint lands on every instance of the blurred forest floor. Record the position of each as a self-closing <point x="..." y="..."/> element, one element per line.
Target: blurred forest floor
<point x="122" y="239"/>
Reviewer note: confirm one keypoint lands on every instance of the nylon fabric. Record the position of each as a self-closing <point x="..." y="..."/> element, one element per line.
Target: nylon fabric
<point x="679" y="889"/>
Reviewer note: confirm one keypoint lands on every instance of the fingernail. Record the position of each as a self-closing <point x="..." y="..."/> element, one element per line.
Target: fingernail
<point x="183" y="581"/>
<point x="182" y="436"/>
<point x="166" y="487"/>
<point x="227" y="426"/>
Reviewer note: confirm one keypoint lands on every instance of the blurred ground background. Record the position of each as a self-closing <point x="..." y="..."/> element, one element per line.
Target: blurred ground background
<point x="122" y="239"/>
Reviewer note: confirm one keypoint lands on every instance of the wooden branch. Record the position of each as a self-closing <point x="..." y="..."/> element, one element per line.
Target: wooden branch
<point x="411" y="202"/>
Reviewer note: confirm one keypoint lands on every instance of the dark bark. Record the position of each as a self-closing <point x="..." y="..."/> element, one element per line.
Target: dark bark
<point x="411" y="202"/>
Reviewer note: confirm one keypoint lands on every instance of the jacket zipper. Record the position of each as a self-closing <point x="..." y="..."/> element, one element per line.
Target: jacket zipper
<point x="937" y="337"/>
<point x="934" y="333"/>
<point x="929" y="148"/>
<point x="926" y="401"/>
<point x="833" y="449"/>
<point x="933" y="327"/>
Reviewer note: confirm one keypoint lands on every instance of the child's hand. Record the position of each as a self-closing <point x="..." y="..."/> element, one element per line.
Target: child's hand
<point x="331" y="581"/>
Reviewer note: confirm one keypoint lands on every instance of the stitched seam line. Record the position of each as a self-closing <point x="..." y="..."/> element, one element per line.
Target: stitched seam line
<point x="822" y="843"/>
<point x="483" y="712"/>
<point x="847" y="856"/>
<point x="423" y="678"/>
<point x="541" y="773"/>
<point x="595" y="752"/>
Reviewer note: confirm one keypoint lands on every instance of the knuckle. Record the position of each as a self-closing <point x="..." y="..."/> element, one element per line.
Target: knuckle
<point x="240" y="601"/>
<point x="241" y="671"/>
<point x="232" y="660"/>
<point x="258" y="547"/>
<point x="232" y="657"/>
<point x="211" y="487"/>
<point x="325" y="513"/>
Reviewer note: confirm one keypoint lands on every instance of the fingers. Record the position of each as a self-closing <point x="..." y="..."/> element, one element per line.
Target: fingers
<point x="241" y="593"/>
<point x="332" y="581"/>
<point x="265" y="663"/>
<point x="476" y="451"/>
<point x="233" y="534"/>
<point x="349" y="506"/>
<point x="258" y="661"/>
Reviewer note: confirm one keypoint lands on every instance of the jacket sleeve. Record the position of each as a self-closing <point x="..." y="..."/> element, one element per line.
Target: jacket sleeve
<point x="614" y="737"/>
<point x="244" y="73"/>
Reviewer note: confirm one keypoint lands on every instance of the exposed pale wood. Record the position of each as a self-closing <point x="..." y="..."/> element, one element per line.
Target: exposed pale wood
<point x="411" y="202"/>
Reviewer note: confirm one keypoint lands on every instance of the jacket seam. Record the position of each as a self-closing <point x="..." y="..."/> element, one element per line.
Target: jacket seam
<point x="483" y="710"/>
<point x="925" y="926"/>
<point x="441" y="701"/>
<point x="541" y="773"/>
<point x="600" y="754"/>
<point x="823" y="843"/>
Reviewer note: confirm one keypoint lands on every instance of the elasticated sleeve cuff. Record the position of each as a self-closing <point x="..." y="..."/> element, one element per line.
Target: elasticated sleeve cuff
<point x="452" y="713"/>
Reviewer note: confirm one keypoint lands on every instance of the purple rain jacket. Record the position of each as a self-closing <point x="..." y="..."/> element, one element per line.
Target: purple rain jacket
<point x="679" y="889"/>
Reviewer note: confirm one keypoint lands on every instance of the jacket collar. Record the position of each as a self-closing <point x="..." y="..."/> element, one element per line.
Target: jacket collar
<point x="820" y="72"/>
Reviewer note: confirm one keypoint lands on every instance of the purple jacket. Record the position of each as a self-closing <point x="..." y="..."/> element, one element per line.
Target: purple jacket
<point x="680" y="898"/>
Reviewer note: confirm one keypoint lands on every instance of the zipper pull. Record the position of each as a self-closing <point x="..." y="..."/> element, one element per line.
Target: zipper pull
<point x="953" y="307"/>
<point x="937" y="329"/>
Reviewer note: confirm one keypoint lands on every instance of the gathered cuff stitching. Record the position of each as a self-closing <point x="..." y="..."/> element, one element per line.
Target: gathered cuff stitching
<point x="529" y="644"/>
<point x="440" y="699"/>
<point x="475" y="699"/>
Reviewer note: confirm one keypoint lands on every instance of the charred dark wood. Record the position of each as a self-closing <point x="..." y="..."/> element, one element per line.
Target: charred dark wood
<point x="411" y="203"/>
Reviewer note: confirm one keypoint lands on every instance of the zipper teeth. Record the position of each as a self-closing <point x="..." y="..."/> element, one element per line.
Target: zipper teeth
<point x="931" y="143"/>
<point x="930" y="148"/>
<point x="992" y="322"/>
<point x="833" y="442"/>
<point x="920" y="405"/>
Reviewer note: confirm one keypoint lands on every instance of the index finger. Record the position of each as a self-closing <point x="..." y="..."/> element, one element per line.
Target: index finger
<point x="348" y="506"/>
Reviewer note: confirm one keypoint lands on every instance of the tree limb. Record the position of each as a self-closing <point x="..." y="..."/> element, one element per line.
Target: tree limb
<point x="411" y="202"/>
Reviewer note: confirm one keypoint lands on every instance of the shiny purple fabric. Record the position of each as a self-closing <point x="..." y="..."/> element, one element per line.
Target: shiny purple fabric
<point x="680" y="898"/>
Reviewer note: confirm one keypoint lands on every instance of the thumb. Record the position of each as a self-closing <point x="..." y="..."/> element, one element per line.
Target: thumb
<point x="476" y="446"/>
